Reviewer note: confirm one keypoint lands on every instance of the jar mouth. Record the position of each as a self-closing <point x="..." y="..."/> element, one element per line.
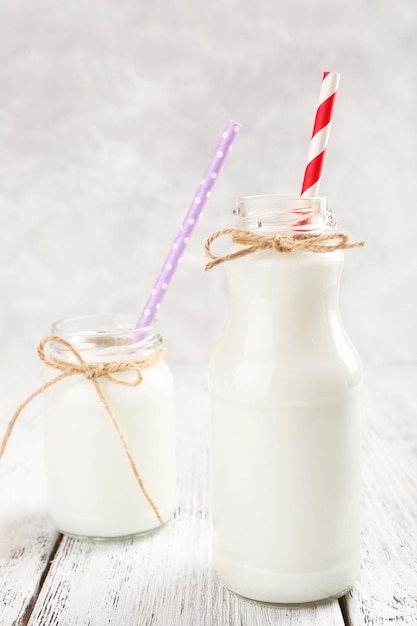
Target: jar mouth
<point x="285" y="215"/>
<point x="105" y="337"/>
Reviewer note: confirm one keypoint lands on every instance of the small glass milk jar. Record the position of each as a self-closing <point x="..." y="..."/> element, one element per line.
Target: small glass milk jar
<point x="92" y="489"/>
<point x="284" y="390"/>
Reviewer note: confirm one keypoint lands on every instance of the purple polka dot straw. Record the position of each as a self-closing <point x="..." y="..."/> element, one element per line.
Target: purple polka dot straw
<point x="196" y="207"/>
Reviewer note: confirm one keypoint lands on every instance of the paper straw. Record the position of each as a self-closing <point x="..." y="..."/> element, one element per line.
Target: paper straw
<point x="191" y="217"/>
<point x="320" y="134"/>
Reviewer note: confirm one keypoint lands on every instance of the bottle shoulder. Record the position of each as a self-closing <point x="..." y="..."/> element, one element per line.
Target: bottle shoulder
<point x="294" y="377"/>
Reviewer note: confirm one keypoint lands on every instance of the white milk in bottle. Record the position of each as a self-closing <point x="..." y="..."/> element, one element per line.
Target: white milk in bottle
<point x="284" y="383"/>
<point x="92" y="489"/>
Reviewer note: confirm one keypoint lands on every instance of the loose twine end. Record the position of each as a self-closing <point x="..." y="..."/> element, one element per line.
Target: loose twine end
<point x="324" y="242"/>
<point x="92" y="373"/>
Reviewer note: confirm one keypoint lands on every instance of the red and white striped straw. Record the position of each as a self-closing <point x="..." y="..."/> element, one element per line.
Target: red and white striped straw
<point x="320" y="135"/>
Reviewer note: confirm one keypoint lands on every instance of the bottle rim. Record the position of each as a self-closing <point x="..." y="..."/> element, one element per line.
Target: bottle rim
<point x="109" y="336"/>
<point x="284" y="214"/>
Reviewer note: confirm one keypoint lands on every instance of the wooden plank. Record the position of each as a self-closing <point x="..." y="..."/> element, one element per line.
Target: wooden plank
<point x="164" y="578"/>
<point x="387" y="590"/>
<point x="27" y="537"/>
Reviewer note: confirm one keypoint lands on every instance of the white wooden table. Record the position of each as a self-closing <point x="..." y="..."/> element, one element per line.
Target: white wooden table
<point x="166" y="579"/>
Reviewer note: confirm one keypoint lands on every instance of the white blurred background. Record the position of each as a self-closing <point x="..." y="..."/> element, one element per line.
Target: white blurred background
<point x="109" y="112"/>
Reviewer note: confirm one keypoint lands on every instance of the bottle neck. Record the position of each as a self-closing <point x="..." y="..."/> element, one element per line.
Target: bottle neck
<point x="289" y="280"/>
<point x="284" y="281"/>
<point x="284" y="294"/>
<point x="285" y="301"/>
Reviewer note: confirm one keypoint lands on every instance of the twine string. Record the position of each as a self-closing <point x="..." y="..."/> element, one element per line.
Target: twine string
<point x="323" y="242"/>
<point x="92" y="373"/>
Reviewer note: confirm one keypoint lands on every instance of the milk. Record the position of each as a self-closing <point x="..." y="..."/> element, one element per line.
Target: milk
<point x="284" y="388"/>
<point x="92" y="491"/>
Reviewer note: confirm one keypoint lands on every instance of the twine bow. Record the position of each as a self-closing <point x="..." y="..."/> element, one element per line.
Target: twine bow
<point x="93" y="373"/>
<point x="323" y="242"/>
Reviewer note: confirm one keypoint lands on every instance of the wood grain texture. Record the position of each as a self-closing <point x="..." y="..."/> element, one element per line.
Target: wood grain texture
<point x="387" y="591"/>
<point x="164" y="578"/>
<point x="27" y="537"/>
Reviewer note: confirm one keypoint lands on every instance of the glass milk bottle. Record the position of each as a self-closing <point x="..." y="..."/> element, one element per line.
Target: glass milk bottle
<point x="92" y="489"/>
<point x="284" y="383"/>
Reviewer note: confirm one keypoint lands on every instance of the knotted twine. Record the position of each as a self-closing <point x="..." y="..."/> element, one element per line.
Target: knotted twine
<point x="92" y="373"/>
<point x="328" y="241"/>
